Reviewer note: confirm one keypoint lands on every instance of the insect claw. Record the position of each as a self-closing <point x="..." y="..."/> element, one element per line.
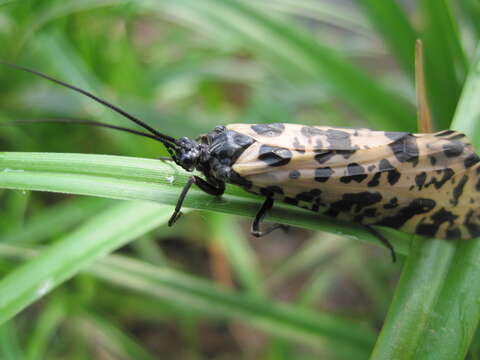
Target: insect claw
<point x="175" y="216"/>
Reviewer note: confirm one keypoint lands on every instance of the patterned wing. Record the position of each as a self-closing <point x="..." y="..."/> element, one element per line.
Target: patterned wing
<point x="419" y="183"/>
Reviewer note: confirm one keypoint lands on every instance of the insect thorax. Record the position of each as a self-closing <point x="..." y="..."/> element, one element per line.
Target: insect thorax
<point x="219" y="150"/>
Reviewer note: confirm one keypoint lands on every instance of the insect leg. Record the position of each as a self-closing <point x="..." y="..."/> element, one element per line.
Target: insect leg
<point x="383" y="240"/>
<point x="205" y="186"/>
<point x="255" y="230"/>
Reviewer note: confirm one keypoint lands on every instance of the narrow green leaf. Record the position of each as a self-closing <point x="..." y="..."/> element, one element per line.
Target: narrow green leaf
<point x="445" y="61"/>
<point x="53" y="220"/>
<point x="45" y="330"/>
<point x="435" y="310"/>
<point x="103" y="233"/>
<point x="239" y="253"/>
<point x="467" y="116"/>
<point x="276" y="318"/>
<point x="295" y="52"/>
<point x="393" y="25"/>
<point x="145" y="179"/>
<point x="417" y="292"/>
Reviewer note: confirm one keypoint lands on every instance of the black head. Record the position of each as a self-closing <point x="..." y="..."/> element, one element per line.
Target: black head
<point x="190" y="154"/>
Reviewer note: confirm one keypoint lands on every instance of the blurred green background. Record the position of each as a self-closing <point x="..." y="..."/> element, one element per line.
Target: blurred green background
<point x="205" y="289"/>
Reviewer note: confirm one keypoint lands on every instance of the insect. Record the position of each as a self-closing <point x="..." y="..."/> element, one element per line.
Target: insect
<point x="426" y="184"/>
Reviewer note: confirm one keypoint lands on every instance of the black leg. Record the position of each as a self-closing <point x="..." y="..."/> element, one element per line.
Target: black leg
<point x="383" y="240"/>
<point x="255" y="230"/>
<point x="203" y="185"/>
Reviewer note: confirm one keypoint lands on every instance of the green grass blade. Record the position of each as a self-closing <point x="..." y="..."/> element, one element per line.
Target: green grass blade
<point x="393" y="25"/>
<point x="294" y="52"/>
<point x="145" y="179"/>
<point x="445" y="61"/>
<point x="46" y="327"/>
<point x="103" y="233"/>
<point x="417" y="292"/>
<point x="240" y="255"/>
<point x="53" y="220"/>
<point x="10" y="348"/>
<point x="457" y="313"/>
<point x="192" y="293"/>
<point x="467" y="116"/>
<point x="435" y="310"/>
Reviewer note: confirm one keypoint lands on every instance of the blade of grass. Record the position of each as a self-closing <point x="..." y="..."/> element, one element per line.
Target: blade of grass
<point x="10" y="348"/>
<point x="435" y="310"/>
<point x="144" y="179"/>
<point x="446" y="64"/>
<point x="293" y="51"/>
<point x="45" y="331"/>
<point x="457" y="313"/>
<point x="103" y="233"/>
<point x="281" y="319"/>
<point x="104" y="335"/>
<point x="239" y="253"/>
<point x="53" y="220"/>
<point x="393" y="25"/>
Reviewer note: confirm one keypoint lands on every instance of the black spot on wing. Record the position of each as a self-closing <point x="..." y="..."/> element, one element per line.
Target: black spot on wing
<point x="420" y="179"/>
<point x="453" y="148"/>
<point x="353" y="201"/>
<point x="392" y="204"/>
<point x="298" y="146"/>
<point x="346" y="153"/>
<point x="394" y="135"/>
<point x="275" y="156"/>
<point x="447" y="175"/>
<point x="416" y="207"/>
<point x="471" y="160"/>
<point x="438" y="218"/>
<point x="324" y="156"/>
<point x="337" y="139"/>
<point x="453" y="233"/>
<point x="393" y="174"/>
<point x="323" y="174"/>
<point x="355" y="172"/>
<point x="472" y="223"/>
<point x="375" y="181"/>
<point x="458" y="190"/>
<point x="294" y="174"/>
<point x="433" y="160"/>
<point x="309" y="196"/>
<point x="270" y="191"/>
<point x="309" y="131"/>
<point x="405" y="149"/>
<point x="269" y="130"/>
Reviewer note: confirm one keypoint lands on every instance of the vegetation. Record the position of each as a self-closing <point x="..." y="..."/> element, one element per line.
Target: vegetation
<point x="204" y="289"/>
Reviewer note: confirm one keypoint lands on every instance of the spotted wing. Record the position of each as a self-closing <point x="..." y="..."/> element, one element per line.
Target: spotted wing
<point x="406" y="181"/>
<point x="316" y="138"/>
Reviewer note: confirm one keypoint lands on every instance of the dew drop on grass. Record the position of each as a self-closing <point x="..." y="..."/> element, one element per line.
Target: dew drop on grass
<point x="44" y="287"/>
<point x="170" y="179"/>
<point x="7" y="170"/>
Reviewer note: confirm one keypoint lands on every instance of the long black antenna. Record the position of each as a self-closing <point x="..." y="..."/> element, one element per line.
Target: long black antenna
<point x="168" y="141"/>
<point x="82" y="122"/>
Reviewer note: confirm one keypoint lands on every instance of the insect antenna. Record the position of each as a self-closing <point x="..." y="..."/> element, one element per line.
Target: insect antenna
<point x="167" y="141"/>
<point x="82" y="122"/>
